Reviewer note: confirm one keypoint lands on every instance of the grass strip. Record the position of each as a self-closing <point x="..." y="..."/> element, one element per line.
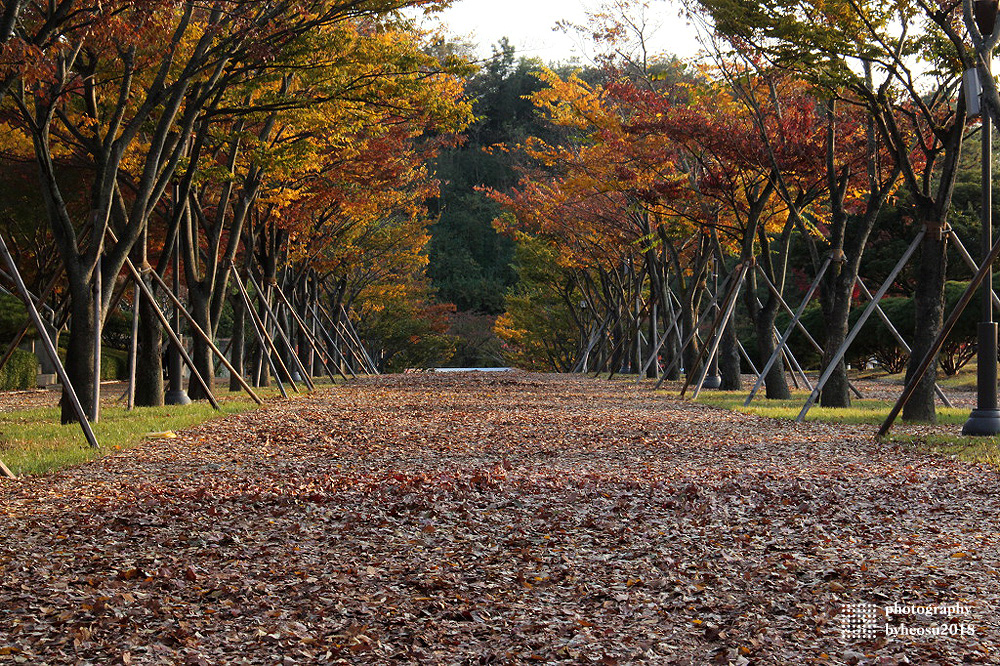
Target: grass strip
<point x="861" y="411"/>
<point x="33" y="442"/>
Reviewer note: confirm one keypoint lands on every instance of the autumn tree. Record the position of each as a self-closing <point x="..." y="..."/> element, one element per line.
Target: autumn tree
<point x="836" y="47"/>
<point x="123" y="94"/>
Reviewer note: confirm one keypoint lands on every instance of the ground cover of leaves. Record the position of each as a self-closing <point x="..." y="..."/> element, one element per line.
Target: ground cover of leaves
<point x="496" y="518"/>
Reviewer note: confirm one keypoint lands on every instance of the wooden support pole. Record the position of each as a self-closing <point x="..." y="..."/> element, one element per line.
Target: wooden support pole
<point x="660" y="340"/>
<point x="746" y="357"/>
<point x="720" y="323"/>
<point x="281" y="332"/>
<point x="805" y="332"/>
<point x="267" y="349"/>
<point x="731" y="295"/>
<point x="50" y="348"/>
<point x="349" y="327"/>
<point x="969" y="261"/>
<point x="687" y="341"/>
<point x="133" y="350"/>
<point x="369" y="365"/>
<point x="796" y="316"/>
<point x="5" y="472"/>
<point x="171" y="333"/>
<point x="331" y="343"/>
<point x="796" y="369"/>
<point x="95" y="410"/>
<point x="581" y="364"/>
<point x="206" y="339"/>
<point x="27" y="324"/>
<point x="305" y="332"/>
<point x="932" y="353"/>
<point x="899" y="338"/>
<point x="337" y="327"/>
<point x="861" y="322"/>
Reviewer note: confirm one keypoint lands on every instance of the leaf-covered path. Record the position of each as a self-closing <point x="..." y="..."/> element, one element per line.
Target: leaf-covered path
<point x="496" y="518"/>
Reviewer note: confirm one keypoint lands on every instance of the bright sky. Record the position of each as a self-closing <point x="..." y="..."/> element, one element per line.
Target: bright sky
<point x="529" y="25"/>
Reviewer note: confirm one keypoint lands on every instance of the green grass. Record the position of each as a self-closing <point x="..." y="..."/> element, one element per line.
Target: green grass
<point x="970" y="449"/>
<point x="873" y="412"/>
<point x="32" y="441"/>
<point x="862" y="411"/>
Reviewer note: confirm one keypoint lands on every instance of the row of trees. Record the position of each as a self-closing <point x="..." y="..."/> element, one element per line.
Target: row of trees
<point x="286" y="141"/>
<point x="813" y="127"/>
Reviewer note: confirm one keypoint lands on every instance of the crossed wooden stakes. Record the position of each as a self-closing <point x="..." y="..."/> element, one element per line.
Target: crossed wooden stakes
<point x="341" y="325"/>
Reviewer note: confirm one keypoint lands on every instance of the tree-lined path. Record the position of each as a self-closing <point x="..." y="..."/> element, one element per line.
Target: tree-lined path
<point x="495" y="518"/>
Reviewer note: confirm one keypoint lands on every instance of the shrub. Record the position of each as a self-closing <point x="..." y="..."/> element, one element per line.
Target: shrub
<point x="114" y="364"/>
<point x="13" y="314"/>
<point x="20" y="372"/>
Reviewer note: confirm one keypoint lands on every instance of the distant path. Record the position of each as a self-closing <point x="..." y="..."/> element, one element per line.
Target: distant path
<point x="495" y="519"/>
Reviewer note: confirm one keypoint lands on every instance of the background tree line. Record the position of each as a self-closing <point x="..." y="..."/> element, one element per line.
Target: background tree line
<point x="807" y="134"/>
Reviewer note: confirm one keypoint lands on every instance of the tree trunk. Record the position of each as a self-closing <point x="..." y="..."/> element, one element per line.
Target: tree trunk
<point x="149" y="358"/>
<point x="729" y="359"/>
<point x="689" y="317"/>
<point x="775" y="383"/>
<point x="201" y="353"/>
<point x="237" y="346"/>
<point x="836" y="317"/>
<point x="929" y="307"/>
<point x="763" y="315"/>
<point x="80" y="351"/>
<point x="653" y="371"/>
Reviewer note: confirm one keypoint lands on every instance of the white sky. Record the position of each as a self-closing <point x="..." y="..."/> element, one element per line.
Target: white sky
<point x="529" y="26"/>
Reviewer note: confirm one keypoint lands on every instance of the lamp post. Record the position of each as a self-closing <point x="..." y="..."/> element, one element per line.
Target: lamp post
<point x="985" y="418"/>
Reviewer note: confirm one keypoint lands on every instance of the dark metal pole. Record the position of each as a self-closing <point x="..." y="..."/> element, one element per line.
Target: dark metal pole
<point x="985" y="418"/>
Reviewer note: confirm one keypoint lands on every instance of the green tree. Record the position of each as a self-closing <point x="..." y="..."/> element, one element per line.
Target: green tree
<point x="470" y="264"/>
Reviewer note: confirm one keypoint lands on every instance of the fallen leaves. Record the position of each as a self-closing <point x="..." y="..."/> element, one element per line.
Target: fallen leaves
<point x="493" y="519"/>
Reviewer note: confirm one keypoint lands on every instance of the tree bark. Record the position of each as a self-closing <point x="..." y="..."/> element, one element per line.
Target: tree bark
<point x="237" y="346"/>
<point x="149" y="365"/>
<point x="775" y="383"/>
<point x="929" y="307"/>
<point x="201" y="353"/>
<point x="80" y="350"/>
<point x="729" y="359"/>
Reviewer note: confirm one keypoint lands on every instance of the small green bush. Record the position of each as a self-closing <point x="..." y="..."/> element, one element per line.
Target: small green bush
<point x="13" y="314"/>
<point x="20" y="372"/>
<point x="114" y="364"/>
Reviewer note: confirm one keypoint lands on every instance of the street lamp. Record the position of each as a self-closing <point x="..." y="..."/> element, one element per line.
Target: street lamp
<point x="985" y="418"/>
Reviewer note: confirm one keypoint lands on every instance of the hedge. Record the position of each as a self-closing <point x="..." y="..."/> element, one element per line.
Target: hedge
<point x="20" y="372"/>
